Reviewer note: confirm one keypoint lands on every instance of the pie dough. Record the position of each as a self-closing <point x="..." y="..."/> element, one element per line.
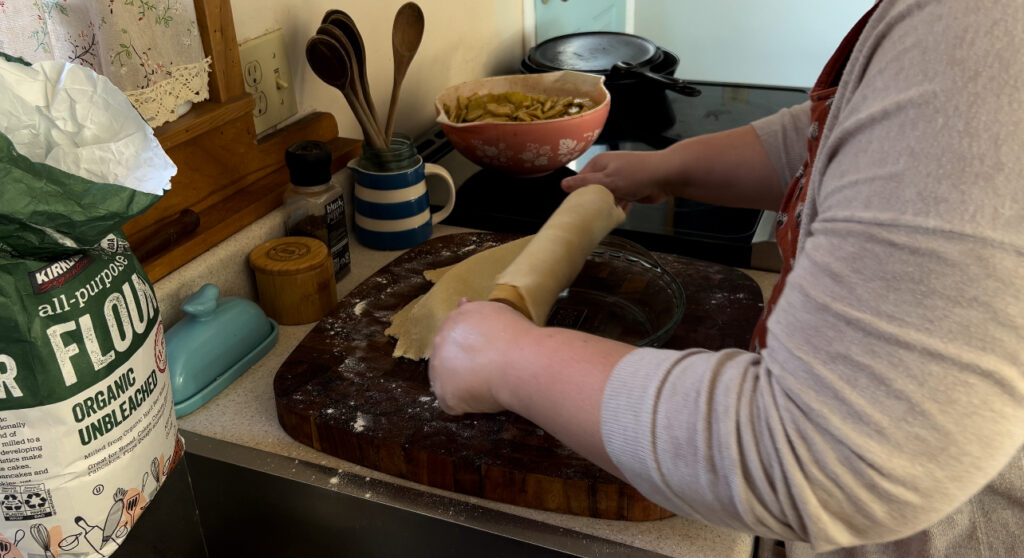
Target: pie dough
<point x="538" y="267"/>
<point x="415" y="325"/>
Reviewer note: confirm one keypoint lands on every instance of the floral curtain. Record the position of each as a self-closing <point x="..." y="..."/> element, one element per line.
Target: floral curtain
<point x="150" y="49"/>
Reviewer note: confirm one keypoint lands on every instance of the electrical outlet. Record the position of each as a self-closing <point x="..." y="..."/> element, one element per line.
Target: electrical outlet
<point x="269" y="79"/>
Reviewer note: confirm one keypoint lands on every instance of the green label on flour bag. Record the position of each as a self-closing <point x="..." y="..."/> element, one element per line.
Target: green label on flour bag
<point x="87" y="426"/>
<point x="87" y="429"/>
<point x="94" y="315"/>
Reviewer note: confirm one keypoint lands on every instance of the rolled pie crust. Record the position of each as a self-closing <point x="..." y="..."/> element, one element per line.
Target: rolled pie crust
<point x="537" y="267"/>
<point x="555" y="256"/>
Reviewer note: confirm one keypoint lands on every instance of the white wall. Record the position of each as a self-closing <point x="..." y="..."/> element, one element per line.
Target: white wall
<point x="562" y="18"/>
<point x="463" y="40"/>
<point x="770" y="42"/>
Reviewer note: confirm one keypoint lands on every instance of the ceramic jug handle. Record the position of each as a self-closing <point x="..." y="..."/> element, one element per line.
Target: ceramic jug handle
<point x="438" y="170"/>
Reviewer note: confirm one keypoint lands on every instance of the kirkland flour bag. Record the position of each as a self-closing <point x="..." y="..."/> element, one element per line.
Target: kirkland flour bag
<point x="87" y="427"/>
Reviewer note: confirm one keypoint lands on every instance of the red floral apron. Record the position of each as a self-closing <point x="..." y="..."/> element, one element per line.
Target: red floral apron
<point x="787" y="226"/>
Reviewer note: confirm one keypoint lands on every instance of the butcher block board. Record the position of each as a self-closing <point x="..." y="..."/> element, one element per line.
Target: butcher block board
<point x="341" y="392"/>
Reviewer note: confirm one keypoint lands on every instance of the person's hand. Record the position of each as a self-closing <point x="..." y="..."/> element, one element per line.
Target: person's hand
<point x="633" y="176"/>
<point x="470" y="347"/>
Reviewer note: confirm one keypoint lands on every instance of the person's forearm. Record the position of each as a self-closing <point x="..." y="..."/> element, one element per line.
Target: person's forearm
<point x="556" y="380"/>
<point x="730" y="168"/>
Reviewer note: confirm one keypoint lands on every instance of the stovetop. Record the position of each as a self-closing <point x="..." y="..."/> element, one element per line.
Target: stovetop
<point x="490" y="200"/>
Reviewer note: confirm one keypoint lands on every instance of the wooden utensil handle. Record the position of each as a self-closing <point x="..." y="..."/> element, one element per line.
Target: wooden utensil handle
<point x="510" y="295"/>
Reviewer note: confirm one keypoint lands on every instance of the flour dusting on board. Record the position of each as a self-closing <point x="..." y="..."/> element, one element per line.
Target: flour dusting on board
<point x="360" y="423"/>
<point x="342" y="387"/>
<point x="368" y="391"/>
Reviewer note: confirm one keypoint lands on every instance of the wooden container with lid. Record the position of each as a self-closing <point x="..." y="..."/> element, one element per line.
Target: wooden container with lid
<point x="294" y="279"/>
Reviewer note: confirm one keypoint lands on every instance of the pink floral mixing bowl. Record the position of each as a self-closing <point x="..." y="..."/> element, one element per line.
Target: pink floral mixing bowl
<point x="527" y="148"/>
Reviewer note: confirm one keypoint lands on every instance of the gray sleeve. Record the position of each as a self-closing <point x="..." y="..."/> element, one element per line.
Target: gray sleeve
<point x="784" y="136"/>
<point x="892" y="386"/>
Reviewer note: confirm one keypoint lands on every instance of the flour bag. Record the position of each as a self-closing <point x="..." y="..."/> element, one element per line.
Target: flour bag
<point x="87" y="426"/>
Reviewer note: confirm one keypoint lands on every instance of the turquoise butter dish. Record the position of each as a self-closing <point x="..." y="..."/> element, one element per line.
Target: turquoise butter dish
<point x="218" y="340"/>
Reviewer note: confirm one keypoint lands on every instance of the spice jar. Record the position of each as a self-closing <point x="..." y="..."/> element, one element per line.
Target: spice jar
<point x="314" y="204"/>
<point x="294" y="279"/>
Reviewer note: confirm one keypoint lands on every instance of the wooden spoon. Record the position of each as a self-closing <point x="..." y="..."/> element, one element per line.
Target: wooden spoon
<point x="344" y="23"/>
<point x="327" y="60"/>
<point x="329" y="13"/>
<point x="355" y="83"/>
<point x="406" y="34"/>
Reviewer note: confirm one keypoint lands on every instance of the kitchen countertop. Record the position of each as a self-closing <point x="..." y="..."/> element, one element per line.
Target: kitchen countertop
<point x="245" y="412"/>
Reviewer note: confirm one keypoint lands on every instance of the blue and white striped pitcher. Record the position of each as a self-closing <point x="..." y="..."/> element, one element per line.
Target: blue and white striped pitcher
<point x="392" y="208"/>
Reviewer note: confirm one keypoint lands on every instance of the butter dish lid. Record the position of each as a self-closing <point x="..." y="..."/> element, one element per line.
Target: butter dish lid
<point x="217" y="341"/>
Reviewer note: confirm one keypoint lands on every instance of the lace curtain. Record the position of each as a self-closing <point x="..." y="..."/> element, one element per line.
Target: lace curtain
<point x="149" y="49"/>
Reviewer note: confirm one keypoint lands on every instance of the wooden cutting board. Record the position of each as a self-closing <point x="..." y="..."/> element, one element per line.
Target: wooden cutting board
<point x="341" y="392"/>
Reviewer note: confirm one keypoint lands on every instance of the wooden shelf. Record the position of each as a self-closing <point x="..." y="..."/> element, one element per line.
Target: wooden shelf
<point x="202" y="118"/>
<point x="231" y="214"/>
<point x="230" y="181"/>
<point x="225" y="175"/>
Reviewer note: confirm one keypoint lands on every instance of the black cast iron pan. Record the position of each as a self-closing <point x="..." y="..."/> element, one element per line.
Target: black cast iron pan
<point x="618" y="56"/>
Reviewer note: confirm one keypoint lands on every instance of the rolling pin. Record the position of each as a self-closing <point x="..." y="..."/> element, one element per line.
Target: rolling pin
<point x="556" y="254"/>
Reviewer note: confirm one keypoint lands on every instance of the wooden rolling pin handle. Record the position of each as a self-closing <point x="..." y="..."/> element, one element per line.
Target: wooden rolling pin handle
<point x="510" y="295"/>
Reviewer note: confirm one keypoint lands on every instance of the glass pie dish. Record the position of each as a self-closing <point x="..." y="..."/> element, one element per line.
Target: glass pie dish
<point x="622" y="293"/>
